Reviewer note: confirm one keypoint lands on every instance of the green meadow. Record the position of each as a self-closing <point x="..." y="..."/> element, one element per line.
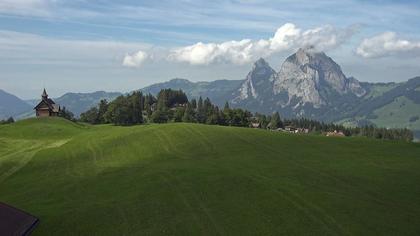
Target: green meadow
<point x="191" y="179"/>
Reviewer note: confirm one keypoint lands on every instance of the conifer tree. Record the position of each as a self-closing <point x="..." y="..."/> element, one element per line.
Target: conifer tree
<point x="276" y="122"/>
<point x="188" y="114"/>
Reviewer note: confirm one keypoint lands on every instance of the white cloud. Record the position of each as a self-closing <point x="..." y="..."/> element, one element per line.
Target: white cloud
<point x="136" y="59"/>
<point x="287" y="37"/>
<point x="26" y="7"/>
<point x="284" y="37"/>
<point x="387" y="44"/>
<point x="237" y="52"/>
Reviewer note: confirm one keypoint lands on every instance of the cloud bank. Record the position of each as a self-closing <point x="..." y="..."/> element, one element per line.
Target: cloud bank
<point x="387" y="44"/>
<point x="287" y="37"/>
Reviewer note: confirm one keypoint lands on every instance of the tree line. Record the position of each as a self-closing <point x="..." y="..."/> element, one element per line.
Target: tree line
<point x="174" y="106"/>
<point x="7" y="121"/>
<point x="314" y="126"/>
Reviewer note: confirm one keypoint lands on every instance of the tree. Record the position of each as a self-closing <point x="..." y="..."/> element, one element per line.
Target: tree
<point x="207" y="106"/>
<point x="226" y="107"/>
<point x="148" y="102"/>
<point x="66" y="114"/>
<point x="227" y="114"/>
<point x="136" y="107"/>
<point x="213" y="117"/>
<point x="276" y="122"/>
<point x="119" y="112"/>
<point x="264" y="121"/>
<point x="162" y="100"/>
<point x="10" y="120"/>
<point x="168" y="98"/>
<point x="193" y="103"/>
<point x="201" y="117"/>
<point x="90" y="116"/>
<point x="238" y="117"/>
<point x="159" y="116"/>
<point x="179" y="114"/>
<point x="102" y="108"/>
<point x="188" y="116"/>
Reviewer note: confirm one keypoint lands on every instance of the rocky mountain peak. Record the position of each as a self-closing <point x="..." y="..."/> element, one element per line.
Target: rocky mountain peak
<point x="260" y="70"/>
<point x="312" y="76"/>
<point x="257" y="80"/>
<point x="309" y="56"/>
<point x="260" y="63"/>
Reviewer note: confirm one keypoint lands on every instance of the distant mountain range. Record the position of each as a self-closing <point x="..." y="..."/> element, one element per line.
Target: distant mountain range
<point x="10" y="105"/>
<point x="309" y="84"/>
<point x="218" y="91"/>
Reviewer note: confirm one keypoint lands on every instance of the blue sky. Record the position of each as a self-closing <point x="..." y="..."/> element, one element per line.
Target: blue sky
<point x="84" y="46"/>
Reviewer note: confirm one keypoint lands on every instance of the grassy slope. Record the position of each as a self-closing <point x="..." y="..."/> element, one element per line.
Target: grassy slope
<point x="393" y="104"/>
<point x="377" y="90"/>
<point x="397" y="114"/>
<point x="189" y="179"/>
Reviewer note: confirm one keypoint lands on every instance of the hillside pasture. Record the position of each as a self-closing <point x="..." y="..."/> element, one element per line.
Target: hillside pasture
<point x="191" y="179"/>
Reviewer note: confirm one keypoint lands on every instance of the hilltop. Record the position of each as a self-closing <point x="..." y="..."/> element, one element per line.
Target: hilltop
<point x="191" y="179"/>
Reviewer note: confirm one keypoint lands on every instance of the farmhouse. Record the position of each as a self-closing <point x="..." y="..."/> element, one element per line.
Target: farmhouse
<point x="291" y="129"/>
<point x="46" y="107"/>
<point x="335" y="134"/>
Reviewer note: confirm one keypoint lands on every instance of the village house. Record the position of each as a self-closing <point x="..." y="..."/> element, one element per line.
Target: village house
<point x="46" y="107"/>
<point x="303" y="130"/>
<point x="335" y="134"/>
<point x="294" y="130"/>
<point x="291" y="129"/>
<point x="176" y="106"/>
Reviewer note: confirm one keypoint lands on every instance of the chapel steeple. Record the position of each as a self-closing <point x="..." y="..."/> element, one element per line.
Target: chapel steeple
<point x="44" y="94"/>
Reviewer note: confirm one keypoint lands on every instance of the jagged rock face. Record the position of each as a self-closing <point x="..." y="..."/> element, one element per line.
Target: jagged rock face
<point x="310" y="76"/>
<point x="255" y="82"/>
<point x="354" y="86"/>
<point x="309" y="84"/>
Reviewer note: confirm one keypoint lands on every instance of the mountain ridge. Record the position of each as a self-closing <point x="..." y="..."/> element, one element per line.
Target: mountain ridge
<point x="11" y="105"/>
<point x="312" y="85"/>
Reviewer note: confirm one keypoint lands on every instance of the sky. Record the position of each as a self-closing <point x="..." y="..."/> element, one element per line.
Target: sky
<point x="86" y="46"/>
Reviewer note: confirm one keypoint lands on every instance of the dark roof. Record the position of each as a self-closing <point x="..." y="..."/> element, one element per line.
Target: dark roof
<point x="16" y="222"/>
<point x="48" y="101"/>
